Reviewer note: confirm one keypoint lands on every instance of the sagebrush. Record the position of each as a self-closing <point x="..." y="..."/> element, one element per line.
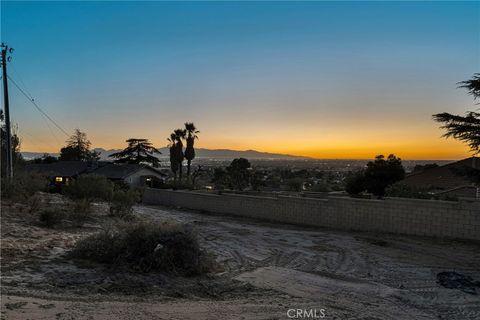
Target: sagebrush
<point x="91" y="187"/>
<point x="146" y="246"/>
<point x="23" y="186"/>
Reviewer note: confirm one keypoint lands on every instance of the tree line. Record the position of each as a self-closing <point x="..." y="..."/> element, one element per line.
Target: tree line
<point x="138" y="151"/>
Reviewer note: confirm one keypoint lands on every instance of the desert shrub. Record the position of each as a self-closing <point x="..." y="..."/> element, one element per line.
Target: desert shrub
<point x="23" y="186"/>
<point x="146" y="246"/>
<point x="81" y="210"/>
<point x="34" y="203"/>
<point x="91" y="187"/>
<point x="122" y="203"/>
<point x="51" y="217"/>
<point x="121" y="185"/>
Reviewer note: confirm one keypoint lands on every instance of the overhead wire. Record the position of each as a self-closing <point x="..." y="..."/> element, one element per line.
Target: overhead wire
<point x="32" y="100"/>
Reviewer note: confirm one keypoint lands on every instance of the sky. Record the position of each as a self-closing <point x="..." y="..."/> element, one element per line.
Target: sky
<point x="320" y="79"/>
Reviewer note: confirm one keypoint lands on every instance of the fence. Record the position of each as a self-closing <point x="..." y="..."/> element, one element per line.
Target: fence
<point x="454" y="219"/>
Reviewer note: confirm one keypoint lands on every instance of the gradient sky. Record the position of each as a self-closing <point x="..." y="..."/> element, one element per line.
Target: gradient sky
<point x="322" y="79"/>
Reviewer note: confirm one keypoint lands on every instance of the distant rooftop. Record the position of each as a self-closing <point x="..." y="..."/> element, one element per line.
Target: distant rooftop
<point x="444" y="177"/>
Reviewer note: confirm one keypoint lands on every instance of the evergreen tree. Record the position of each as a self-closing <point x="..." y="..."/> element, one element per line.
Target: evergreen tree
<point x="78" y="148"/>
<point x="464" y="128"/>
<point x="138" y="151"/>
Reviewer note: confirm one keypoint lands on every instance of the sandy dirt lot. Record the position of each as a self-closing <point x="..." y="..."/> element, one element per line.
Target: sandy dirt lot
<point x="266" y="270"/>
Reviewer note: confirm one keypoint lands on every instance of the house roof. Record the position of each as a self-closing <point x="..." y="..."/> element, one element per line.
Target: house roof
<point x="445" y="177"/>
<point x="61" y="168"/>
<point x="120" y="171"/>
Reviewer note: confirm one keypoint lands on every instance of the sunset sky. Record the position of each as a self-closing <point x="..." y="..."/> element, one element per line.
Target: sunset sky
<point x="322" y="79"/>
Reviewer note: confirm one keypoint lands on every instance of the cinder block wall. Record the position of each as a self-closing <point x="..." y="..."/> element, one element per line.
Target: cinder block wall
<point x="404" y="216"/>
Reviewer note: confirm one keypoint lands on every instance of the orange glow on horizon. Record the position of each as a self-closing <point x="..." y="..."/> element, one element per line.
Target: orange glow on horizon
<point x="415" y="139"/>
<point x="439" y="149"/>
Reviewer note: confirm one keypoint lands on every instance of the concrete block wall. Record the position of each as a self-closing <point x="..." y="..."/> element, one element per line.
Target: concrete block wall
<point x="395" y="215"/>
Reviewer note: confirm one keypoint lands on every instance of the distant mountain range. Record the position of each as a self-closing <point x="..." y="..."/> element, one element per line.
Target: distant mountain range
<point x="221" y="154"/>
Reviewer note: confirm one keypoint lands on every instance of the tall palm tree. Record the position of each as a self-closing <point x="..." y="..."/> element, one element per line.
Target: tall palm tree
<point x="172" y="150"/>
<point x="190" y="150"/>
<point x="179" y="157"/>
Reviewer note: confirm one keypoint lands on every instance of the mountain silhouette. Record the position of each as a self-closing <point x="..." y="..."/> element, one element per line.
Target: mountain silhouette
<point x="222" y="154"/>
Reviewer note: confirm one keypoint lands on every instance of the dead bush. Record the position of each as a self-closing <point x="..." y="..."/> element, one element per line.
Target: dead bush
<point x="81" y="212"/>
<point x="23" y="185"/>
<point x="34" y="203"/>
<point x="51" y="217"/>
<point x="146" y="246"/>
<point x="91" y="187"/>
<point x="122" y="203"/>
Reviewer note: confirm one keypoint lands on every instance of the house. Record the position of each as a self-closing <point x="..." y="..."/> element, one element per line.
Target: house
<point x="64" y="172"/>
<point x="61" y="172"/>
<point x="133" y="174"/>
<point x="451" y="179"/>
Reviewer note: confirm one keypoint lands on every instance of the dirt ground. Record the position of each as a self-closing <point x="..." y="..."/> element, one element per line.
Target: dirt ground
<point x="267" y="269"/>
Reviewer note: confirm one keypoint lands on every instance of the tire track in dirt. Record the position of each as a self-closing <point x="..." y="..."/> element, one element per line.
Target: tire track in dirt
<point x="405" y="264"/>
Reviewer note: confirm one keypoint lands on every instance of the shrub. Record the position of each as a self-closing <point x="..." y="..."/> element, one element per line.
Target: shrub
<point x="146" y="246"/>
<point x="23" y="186"/>
<point x="355" y="183"/>
<point x="91" y="187"/>
<point x="321" y="186"/>
<point x="51" y="217"/>
<point x="34" y="203"/>
<point x="404" y="191"/>
<point x="401" y="190"/>
<point x="123" y="201"/>
<point x="295" y="184"/>
<point x="81" y="211"/>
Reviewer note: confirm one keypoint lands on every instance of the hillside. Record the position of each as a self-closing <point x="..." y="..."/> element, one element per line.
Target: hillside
<point x="222" y="154"/>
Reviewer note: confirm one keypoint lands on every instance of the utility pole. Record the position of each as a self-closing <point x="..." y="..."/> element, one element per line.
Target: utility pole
<point x="6" y="108"/>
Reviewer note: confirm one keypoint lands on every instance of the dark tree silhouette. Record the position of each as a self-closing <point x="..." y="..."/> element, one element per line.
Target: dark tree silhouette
<point x="220" y="178"/>
<point x="16" y="155"/>
<point x="239" y="174"/>
<point x="382" y="172"/>
<point x="78" y="148"/>
<point x="196" y="173"/>
<point x="172" y="150"/>
<point x="464" y="128"/>
<point x="190" y="139"/>
<point x="179" y="156"/>
<point x="46" y="158"/>
<point x="138" y="151"/>
<point x="355" y="182"/>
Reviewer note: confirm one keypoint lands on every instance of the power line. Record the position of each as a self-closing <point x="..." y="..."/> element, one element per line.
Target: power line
<point x="38" y="108"/>
<point x="19" y="77"/>
<point x="34" y="139"/>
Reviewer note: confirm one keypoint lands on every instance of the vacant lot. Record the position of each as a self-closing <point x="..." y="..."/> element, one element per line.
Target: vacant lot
<point x="265" y="270"/>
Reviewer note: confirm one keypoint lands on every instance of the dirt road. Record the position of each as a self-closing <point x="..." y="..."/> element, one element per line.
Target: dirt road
<point x="268" y="269"/>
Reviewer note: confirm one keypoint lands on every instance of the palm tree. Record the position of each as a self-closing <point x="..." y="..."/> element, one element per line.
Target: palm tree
<point x="179" y="157"/>
<point x="190" y="150"/>
<point x="173" y="160"/>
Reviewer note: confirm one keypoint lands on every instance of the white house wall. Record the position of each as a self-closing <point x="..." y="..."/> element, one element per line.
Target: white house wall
<point x="136" y="178"/>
